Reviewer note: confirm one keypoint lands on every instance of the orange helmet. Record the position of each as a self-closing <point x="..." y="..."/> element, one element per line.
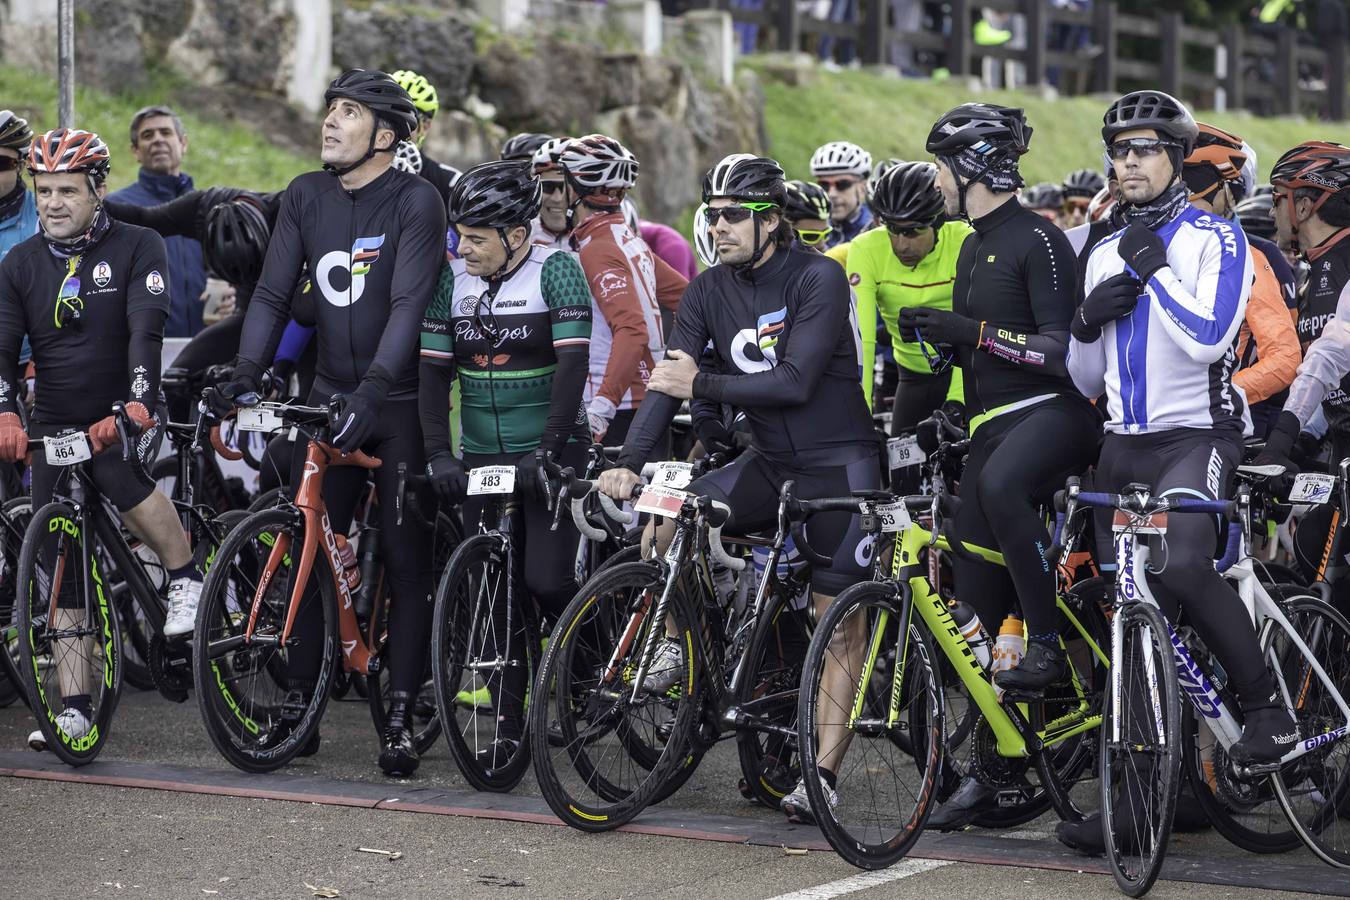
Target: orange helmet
<point x="1219" y="149"/>
<point x="70" y="150"/>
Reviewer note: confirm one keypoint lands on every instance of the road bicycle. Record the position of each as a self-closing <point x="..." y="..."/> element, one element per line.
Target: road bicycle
<point x="1305" y="644"/>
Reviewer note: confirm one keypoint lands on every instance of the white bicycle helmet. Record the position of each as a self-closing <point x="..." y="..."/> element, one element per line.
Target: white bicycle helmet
<point x="546" y="157"/>
<point x="704" y="245"/>
<point x="407" y="158"/>
<point x="841" y="158"/>
<point x="599" y="164"/>
<point x="1248" y="171"/>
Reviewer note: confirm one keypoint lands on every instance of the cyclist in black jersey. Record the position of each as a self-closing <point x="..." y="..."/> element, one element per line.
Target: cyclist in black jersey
<point x="374" y="240"/>
<point x="783" y="352"/>
<point x="1009" y="330"/>
<point x="93" y="297"/>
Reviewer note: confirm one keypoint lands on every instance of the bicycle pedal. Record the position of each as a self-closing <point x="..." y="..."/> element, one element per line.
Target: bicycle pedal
<point x="1254" y="772"/>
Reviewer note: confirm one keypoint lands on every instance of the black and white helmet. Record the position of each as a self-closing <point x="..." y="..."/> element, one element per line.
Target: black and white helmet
<point x="407" y="158"/>
<point x="704" y="245"/>
<point x="746" y="177"/>
<point x="841" y="158"/>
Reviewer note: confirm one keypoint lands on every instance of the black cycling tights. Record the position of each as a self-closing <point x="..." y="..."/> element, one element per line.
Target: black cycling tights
<point x="1017" y="461"/>
<point x="405" y="550"/>
<point x="548" y="562"/>
<point x="1187" y="462"/>
<point x="916" y="396"/>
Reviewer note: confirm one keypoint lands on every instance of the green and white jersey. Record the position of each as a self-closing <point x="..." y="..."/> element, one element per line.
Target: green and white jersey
<point x="501" y="343"/>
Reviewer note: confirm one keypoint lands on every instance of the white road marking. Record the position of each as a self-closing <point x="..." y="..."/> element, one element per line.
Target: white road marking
<point x="865" y="880"/>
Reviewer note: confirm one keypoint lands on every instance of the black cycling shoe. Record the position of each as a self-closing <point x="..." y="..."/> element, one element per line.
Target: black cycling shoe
<point x="1267" y="735"/>
<point x="311" y="746"/>
<point x="398" y="758"/>
<point x="1086" y="836"/>
<point x="963" y="807"/>
<point x="1189" y="816"/>
<point x="1041" y="667"/>
<point x="498" y="754"/>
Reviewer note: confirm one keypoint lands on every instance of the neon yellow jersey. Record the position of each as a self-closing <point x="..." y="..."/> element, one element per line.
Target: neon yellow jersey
<point x="839" y="253"/>
<point x="882" y="282"/>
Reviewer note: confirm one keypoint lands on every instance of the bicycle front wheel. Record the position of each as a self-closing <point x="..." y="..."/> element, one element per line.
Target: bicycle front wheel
<point x="261" y="700"/>
<point x="69" y="642"/>
<point x="1314" y="789"/>
<point x="1141" y="748"/>
<point x="884" y="785"/>
<point x="604" y="746"/>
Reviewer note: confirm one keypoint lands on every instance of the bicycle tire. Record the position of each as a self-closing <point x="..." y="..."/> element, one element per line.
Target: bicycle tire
<point x="774" y="660"/>
<point x="594" y="628"/>
<point x="459" y="625"/>
<point x="278" y="730"/>
<point x="1140" y="622"/>
<point x="1314" y="790"/>
<point x="898" y="822"/>
<point x="58" y="521"/>
<point x="14" y="518"/>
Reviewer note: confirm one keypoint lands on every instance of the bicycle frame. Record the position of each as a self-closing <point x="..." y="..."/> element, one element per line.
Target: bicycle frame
<point x="1132" y="587"/>
<point x="356" y="655"/>
<point x="1013" y="733"/>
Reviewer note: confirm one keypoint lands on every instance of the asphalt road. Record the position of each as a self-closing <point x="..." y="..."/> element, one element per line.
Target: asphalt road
<point x="88" y="839"/>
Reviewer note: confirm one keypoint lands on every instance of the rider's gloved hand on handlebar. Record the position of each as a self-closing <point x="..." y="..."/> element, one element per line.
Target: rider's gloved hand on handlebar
<point x="528" y="478"/>
<point x="103" y="433"/>
<point x="13" y="439"/>
<point x="449" y="477"/>
<point x="243" y="389"/>
<point x="356" y="415"/>
<point x="1280" y="443"/>
<point x="1115" y="297"/>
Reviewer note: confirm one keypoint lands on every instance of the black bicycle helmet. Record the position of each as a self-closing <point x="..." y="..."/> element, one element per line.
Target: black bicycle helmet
<point x="500" y="194"/>
<point x="385" y="97"/>
<point x="522" y="146"/>
<point x="14" y="132"/>
<point x="234" y="241"/>
<point x="1256" y="215"/>
<point x="908" y="193"/>
<point x="984" y="127"/>
<point x="806" y="200"/>
<point x="1164" y="113"/>
<point x="748" y="178"/>
<point x="1083" y="183"/>
<point x="1043" y="196"/>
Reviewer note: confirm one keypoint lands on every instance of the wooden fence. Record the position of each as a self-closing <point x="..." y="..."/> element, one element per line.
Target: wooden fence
<point x="1271" y="72"/>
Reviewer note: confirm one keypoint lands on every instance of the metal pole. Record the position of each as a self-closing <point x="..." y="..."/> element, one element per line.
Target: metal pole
<point x="65" y="62"/>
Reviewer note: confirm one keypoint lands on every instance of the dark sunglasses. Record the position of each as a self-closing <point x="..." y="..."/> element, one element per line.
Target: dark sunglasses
<point x="906" y="231"/>
<point x="550" y="187"/>
<point x="734" y="215"/>
<point x="9" y="163"/>
<point x="1142" y="147"/>
<point x="836" y="184"/>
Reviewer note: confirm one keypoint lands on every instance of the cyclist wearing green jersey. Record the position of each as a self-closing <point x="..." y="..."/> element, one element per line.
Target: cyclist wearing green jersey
<point x="512" y="322"/>
<point x="911" y="262"/>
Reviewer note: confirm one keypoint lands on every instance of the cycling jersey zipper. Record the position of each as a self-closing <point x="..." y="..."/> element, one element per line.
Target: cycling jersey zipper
<point x="975" y="379"/>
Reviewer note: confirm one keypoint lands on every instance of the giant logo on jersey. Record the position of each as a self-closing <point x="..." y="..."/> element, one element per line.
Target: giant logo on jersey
<point x="753" y="349"/>
<point x="357" y="264"/>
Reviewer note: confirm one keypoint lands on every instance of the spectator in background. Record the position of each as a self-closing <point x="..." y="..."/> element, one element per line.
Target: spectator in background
<point x="747" y="33"/>
<point x="159" y="144"/>
<point x="842" y="11"/>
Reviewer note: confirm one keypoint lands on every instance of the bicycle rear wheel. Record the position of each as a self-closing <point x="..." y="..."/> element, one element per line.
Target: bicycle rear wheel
<point x="259" y="713"/>
<point x="592" y="732"/>
<point x="770" y="765"/>
<point x="14" y="518"/>
<point x="885" y="789"/>
<point x="70" y="645"/>
<point x="1140" y="770"/>
<point x="1314" y="789"/>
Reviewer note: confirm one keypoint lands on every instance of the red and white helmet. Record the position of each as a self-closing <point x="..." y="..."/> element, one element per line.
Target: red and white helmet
<point x="546" y="157"/>
<point x="599" y="168"/>
<point x="70" y="150"/>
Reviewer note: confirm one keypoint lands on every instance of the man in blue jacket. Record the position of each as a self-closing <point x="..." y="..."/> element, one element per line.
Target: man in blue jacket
<point x="18" y="211"/>
<point x="159" y="143"/>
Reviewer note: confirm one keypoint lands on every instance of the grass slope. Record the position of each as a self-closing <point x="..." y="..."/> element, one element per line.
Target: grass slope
<point x="217" y="153"/>
<point x="891" y="117"/>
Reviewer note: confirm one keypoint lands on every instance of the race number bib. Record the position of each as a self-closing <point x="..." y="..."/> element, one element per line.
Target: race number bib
<point x="262" y="419"/>
<point x="1312" y="487"/>
<point x="894" y="516"/>
<point x="68" y="449"/>
<point x="492" y="480"/>
<point x="902" y="452"/>
<point x="660" y="501"/>
<point x="673" y="474"/>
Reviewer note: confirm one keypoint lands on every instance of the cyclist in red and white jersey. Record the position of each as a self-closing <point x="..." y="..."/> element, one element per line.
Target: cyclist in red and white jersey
<point x="629" y="284"/>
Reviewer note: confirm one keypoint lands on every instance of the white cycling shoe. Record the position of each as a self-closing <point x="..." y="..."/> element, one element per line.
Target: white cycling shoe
<point x="184" y="596"/>
<point x="797" y="804"/>
<point x="666" y="668"/>
<point x="70" y="720"/>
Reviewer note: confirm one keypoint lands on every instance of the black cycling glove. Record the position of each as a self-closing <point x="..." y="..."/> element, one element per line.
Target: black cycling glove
<point x="1143" y="250"/>
<point x="449" y="477"/>
<point x="937" y="326"/>
<point x="245" y="388"/>
<point x="1115" y="297"/>
<point x="355" y="416"/>
<point x="1280" y="443"/>
<point x="528" y="478"/>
